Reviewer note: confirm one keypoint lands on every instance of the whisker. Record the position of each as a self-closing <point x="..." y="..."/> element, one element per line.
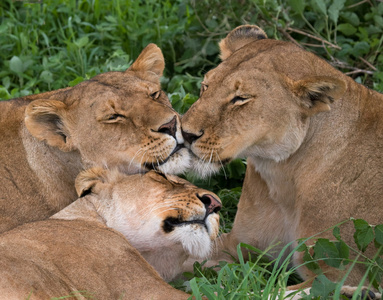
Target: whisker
<point x="134" y="156"/>
<point x="220" y="161"/>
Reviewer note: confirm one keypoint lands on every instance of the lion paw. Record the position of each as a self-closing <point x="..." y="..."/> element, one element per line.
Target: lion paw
<point x="349" y="291"/>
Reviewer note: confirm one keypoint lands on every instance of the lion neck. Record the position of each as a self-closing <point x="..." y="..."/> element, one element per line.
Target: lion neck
<point x="56" y="170"/>
<point x="167" y="261"/>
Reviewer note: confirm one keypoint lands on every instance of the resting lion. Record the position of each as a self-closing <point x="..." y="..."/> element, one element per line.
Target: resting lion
<point x="87" y="246"/>
<point x="313" y="138"/>
<point x="114" y="119"/>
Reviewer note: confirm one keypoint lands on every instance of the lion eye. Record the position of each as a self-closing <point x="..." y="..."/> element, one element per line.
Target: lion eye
<point x="114" y="117"/>
<point x="203" y="88"/>
<point x="239" y="99"/>
<point x="155" y="95"/>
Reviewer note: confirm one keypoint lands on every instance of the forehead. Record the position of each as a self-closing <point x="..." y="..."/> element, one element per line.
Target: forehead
<point x="118" y="86"/>
<point x="265" y="58"/>
<point x="121" y="83"/>
<point x="244" y="78"/>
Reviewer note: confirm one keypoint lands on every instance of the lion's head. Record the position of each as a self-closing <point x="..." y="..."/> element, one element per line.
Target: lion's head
<point x="114" y="119"/>
<point x="164" y="217"/>
<point x="259" y="101"/>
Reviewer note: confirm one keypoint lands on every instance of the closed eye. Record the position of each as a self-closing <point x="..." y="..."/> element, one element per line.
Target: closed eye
<point x="239" y="99"/>
<point x="113" y="118"/>
<point x="203" y="88"/>
<point x="155" y="95"/>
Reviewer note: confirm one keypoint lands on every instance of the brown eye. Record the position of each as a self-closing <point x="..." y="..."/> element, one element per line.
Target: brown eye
<point x="203" y="88"/>
<point x="155" y="95"/>
<point x="239" y="99"/>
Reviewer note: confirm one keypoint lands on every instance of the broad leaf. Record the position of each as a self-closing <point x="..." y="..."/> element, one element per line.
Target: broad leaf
<point x="324" y="249"/>
<point x="322" y="287"/>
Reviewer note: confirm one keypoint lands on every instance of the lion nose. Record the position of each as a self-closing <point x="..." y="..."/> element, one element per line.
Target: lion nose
<point x="191" y="137"/>
<point x="169" y="128"/>
<point x="212" y="205"/>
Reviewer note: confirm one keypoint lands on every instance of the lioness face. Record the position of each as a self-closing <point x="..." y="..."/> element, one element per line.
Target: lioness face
<point x="157" y="212"/>
<point x="136" y="125"/>
<point x="256" y="103"/>
<point x="119" y="119"/>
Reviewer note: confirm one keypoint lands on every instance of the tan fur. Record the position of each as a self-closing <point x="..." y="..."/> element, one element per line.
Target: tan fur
<point x="90" y="246"/>
<point x="114" y="119"/>
<point x="313" y="138"/>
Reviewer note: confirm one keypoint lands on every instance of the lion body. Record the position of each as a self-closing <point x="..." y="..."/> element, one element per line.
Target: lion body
<point x="96" y="246"/>
<point x="312" y="136"/>
<point x="58" y="258"/>
<point x="116" y="119"/>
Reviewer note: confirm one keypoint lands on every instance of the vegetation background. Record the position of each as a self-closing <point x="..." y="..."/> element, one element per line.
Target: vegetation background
<point x="51" y="44"/>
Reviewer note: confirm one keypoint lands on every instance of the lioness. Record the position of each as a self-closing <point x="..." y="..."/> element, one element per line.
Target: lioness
<point x="88" y="245"/>
<point x="114" y="119"/>
<point x="313" y="138"/>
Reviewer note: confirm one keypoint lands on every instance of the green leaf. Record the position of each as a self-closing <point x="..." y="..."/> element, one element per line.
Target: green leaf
<point x="351" y="18"/>
<point x="379" y="234"/>
<point x="363" y="235"/>
<point x="336" y="232"/>
<point x="4" y="93"/>
<point x="346" y="29"/>
<point x="344" y="251"/>
<point x="376" y="273"/>
<point x="81" y="42"/>
<point x="302" y="247"/>
<point x="76" y="81"/>
<point x="378" y="20"/>
<point x="16" y="65"/>
<point x="361" y="48"/>
<point x="320" y="5"/>
<point x="6" y="82"/>
<point x="46" y="76"/>
<point x="322" y="287"/>
<point x="309" y="263"/>
<point x="360" y="224"/>
<point x="324" y="249"/>
<point x="297" y="5"/>
<point x="333" y="10"/>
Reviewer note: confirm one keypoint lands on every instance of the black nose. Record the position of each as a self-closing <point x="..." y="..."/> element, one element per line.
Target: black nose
<point x="190" y="137"/>
<point x="212" y="205"/>
<point x="169" y="128"/>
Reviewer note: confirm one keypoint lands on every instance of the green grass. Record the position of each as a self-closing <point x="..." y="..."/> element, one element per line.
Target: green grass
<point x="50" y="44"/>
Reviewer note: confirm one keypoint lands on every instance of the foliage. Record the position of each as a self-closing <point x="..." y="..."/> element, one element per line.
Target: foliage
<point x="263" y="276"/>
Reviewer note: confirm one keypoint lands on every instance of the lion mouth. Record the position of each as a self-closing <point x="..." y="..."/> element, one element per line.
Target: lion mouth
<point x="153" y="166"/>
<point x="171" y="223"/>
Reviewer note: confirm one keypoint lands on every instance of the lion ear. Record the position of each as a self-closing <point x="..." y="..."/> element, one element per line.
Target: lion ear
<point x="46" y="119"/>
<point x="88" y="179"/>
<point x="150" y="64"/>
<point x="318" y="92"/>
<point x="239" y="37"/>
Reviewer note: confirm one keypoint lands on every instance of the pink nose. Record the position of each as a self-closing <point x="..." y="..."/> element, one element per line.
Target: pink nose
<point x="212" y="204"/>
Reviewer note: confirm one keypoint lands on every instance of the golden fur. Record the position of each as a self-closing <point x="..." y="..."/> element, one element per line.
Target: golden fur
<point x="114" y="119"/>
<point x="90" y="246"/>
<point x="313" y="138"/>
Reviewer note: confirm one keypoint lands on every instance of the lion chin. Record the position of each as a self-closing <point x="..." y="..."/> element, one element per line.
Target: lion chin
<point x="177" y="163"/>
